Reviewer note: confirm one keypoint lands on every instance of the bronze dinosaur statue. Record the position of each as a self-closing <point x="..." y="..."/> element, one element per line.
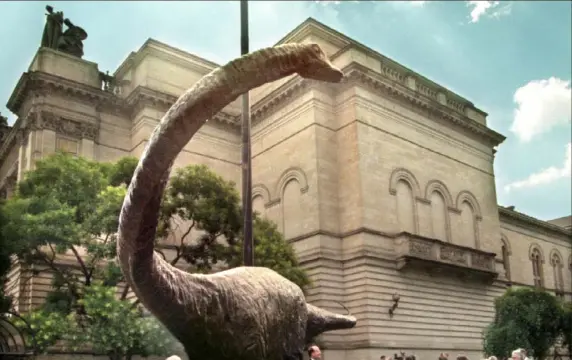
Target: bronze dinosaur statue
<point x="241" y="313"/>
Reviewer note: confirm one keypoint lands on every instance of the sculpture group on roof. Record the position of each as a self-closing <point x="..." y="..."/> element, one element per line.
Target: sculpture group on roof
<point x="54" y="37"/>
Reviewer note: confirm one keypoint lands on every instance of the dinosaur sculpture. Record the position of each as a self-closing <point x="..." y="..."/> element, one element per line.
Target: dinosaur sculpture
<point x="241" y="313"/>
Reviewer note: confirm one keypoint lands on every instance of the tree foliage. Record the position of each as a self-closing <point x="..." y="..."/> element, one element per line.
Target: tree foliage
<point x="111" y="326"/>
<point x="69" y="207"/>
<point x="566" y="325"/>
<point x="5" y="262"/>
<point x="524" y="318"/>
<point x="202" y="211"/>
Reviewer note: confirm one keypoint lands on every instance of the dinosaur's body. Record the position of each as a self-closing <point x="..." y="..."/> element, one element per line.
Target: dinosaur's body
<point x="242" y="313"/>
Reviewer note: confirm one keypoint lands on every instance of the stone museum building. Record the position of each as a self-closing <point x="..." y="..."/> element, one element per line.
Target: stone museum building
<point x="384" y="184"/>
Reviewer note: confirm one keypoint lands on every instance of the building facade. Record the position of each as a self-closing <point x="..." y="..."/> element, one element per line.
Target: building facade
<point x="384" y="183"/>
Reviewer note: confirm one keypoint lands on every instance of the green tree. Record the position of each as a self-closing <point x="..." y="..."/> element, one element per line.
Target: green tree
<point x="566" y="325"/>
<point x="70" y="205"/>
<point x="5" y="262"/>
<point x="524" y="318"/>
<point x="202" y="211"/>
<point x="118" y="329"/>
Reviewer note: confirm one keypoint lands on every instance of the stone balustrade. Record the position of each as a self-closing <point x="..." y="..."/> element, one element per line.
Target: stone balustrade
<point x="415" y="251"/>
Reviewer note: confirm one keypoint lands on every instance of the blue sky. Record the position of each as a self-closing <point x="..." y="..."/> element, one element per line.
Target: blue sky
<point x="512" y="59"/>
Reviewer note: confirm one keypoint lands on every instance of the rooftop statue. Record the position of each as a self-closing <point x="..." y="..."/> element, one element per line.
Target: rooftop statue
<point x="69" y="41"/>
<point x="241" y="313"/>
<point x="53" y="28"/>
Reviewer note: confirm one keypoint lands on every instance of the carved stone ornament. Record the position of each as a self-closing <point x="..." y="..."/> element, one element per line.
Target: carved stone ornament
<point x="420" y="248"/>
<point x="453" y="255"/>
<point x="71" y="128"/>
<point x="482" y="261"/>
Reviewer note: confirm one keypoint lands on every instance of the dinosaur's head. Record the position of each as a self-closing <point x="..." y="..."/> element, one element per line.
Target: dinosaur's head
<point x="317" y="66"/>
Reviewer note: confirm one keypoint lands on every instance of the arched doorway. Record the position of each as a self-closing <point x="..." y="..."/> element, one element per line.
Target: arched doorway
<point x="13" y="344"/>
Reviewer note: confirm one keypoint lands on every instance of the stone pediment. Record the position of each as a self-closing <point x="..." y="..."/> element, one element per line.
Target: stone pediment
<point x="156" y="48"/>
<point x="144" y="96"/>
<point x="435" y="256"/>
<point x="451" y="112"/>
<point x="315" y="31"/>
<point x="387" y="85"/>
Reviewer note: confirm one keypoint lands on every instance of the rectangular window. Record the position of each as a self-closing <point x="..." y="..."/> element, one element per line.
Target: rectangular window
<point x="68" y="146"/>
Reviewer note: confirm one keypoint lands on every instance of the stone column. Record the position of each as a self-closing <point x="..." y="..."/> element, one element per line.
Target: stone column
<point x="21" y="143"/>
<point x="10" y="185"/>
<point x="87" y="148"/>
<point x="48" y="142"/>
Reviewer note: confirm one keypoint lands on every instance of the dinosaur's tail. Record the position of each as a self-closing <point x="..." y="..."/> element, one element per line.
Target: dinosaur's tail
<point x="320" y="321"/>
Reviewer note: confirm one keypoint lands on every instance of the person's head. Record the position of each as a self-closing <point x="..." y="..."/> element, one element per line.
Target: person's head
<point x="492" y="358"/>
<point x="382" y="357"/>
<point x="517" y="354"/>
<point x="314" y="352"/>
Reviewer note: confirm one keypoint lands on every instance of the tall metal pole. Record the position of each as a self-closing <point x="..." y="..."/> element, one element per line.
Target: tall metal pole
<point x="248" y="251"/>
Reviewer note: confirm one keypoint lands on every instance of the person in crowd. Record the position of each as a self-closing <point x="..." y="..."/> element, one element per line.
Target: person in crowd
<point x="525" y="354"/>
<point x="314" y="352"/>
<point x="517" y="355"/>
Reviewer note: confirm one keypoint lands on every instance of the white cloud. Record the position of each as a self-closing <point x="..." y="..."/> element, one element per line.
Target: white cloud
<point x="546" y="176"/>
<point x="410" y="3"/>
<point x="503" y="10"/>
<point x="327" y="2"/>
<point x="493" y="9"/>
<point x="541" y="106"/>
<point x="333" y="2"/>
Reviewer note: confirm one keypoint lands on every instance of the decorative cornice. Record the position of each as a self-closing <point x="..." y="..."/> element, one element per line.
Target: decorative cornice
<point x="50" y="121"/>
<point x="390" y="84"/>
<point x="14" y="136"/>
<point x="312" y="27"/>
<point x="389" y="67"/>
<point x="144" y="96"/>
<point x="172" y="54"/>
<point x="536" y="223"/>
<point x="276" y="99"/>
<point x="45" y="120"/>
<point x="40" y="83"/>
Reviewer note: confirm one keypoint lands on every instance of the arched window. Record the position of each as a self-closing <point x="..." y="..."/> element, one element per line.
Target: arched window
<point x="556" y="263"/>
<point x="537" y="274"/>
<point x="506" y="260"/>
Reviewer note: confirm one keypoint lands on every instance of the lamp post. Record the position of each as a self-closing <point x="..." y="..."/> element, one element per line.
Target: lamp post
<point x="248" y="251"/>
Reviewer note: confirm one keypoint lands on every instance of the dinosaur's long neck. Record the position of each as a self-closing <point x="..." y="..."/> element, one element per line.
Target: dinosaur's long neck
<point x="152" y="279"/>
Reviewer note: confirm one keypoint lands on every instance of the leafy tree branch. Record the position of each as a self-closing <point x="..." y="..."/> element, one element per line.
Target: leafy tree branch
<point x="69" y="207"/>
